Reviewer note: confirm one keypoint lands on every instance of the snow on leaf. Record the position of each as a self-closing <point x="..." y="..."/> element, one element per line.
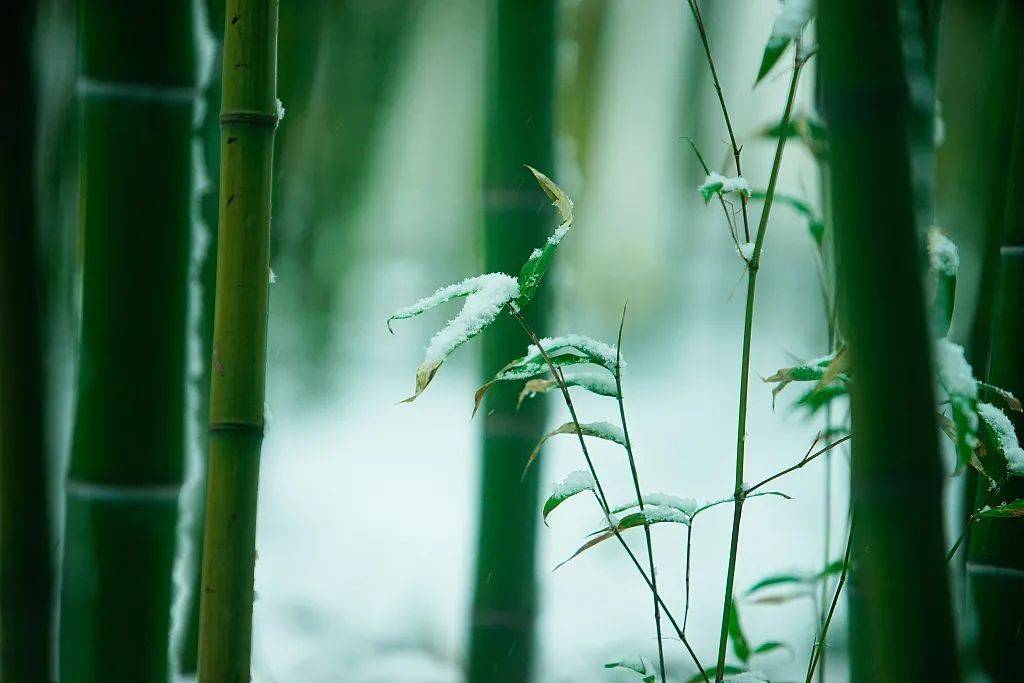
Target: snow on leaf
<point x="486" y="296"/>
<point x="685" y="505"/>
<point x="574" y="482"/>
<point x="1013" y="509"/>
<point x="810" y="371"/>
<point x="943" y="262"/>
<point x="1003" y="437"/>
<point x="637" y="664"/>
<point x="595" y="382"/>
<point x="570" y="349"/>
<point x="957" y="379"/>
<point x="600" y="430"/>
<point x="1011" y="401"/>
<point x="537" y="265"/>
<point x="717" y="183"/>
<point x="788" y="25"/>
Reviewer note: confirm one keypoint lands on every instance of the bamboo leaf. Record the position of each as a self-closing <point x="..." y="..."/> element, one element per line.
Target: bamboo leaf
<point x="595" y="382"/>
<point x="811" y="371"/>
<point x="788" y="26"/>
<point x="712" y="673"/>
<point x="957" y="379"/>
<point x="537" y="265"/>
<point x="486" y="296"/>
<point x="1014" y="509"/>
<point x="716" y="183"/>
<point x="638" y="665"/>
<point x="944" y="263"/>
<point x="575" y="482"/>
<point x="600" y="430"/>
<point x="771" y="646"/>
<point x="815" y="224"/>
<point x="999" y="437"/>
<point x="809" y="130"/>
<point x="739" y="640"/>
<point x="1011" y="401"/>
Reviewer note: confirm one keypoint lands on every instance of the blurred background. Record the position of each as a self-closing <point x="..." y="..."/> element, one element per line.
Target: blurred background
<point x="367" y="530"/>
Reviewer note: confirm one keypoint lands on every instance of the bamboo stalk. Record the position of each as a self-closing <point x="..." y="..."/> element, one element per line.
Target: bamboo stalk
<point x="26" y="564"/>
<point x="209" y="139"/>
<point x="248" y="122"/>
<point x="995" y="565"/>
<point x="896" y="477"/>
<point x="137" y="93"/>
<point x="519" y="130"/>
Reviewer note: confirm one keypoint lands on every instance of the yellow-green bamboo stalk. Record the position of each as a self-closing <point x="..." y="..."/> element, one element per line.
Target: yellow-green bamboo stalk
<point x="249" y="118"/>
<point x="137" y="95"/>
<point x="26" y="565"/>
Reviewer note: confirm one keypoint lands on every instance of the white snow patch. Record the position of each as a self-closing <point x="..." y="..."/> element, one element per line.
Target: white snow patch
<point x="954" y="372"/>
<point x="604" y="353"/>
<point x="574" y="482"/>
<point x="791" y="20"/>
<point x="716" y="182"/>
<point x="746" y="251"/>
<point x="942" y="253"/>
<point x="997" y="421"/>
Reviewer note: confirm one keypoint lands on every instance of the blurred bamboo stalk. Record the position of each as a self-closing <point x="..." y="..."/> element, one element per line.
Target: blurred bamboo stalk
<point x="137" y="90"/>
<point x="209" y="141"/>
<point x="519" y="129"/>
<point x="26" y="562"/>
<point x="896" y="477"/>
<point x="995" y="564"/>
<point x="249" y="118"/>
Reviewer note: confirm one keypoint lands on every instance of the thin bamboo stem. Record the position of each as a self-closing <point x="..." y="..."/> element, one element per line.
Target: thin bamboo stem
<point x="818" y="651"/>
<point x="639" y="495"/>
<point x="248" y="122"/>
<point x="748" y="324"/>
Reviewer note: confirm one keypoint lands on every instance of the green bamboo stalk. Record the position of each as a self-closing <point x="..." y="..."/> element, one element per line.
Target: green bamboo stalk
<point x="209" y="139"/>
<point x="519" y="130"/>
<point x="995" y="565"/>
<point x="896" y="477"/>
<point x="137" y="91"/>
<point x="249" y="120"/>
<point x="26" y="564"/>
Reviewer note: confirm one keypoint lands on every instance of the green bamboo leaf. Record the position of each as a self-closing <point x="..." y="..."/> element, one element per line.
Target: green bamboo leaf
<point x="944" y="263"/>
<point x="999" y="437"/>
<point x="771" y="646"/>
<point x="815" y="224"/>
<point x="638" y="665"/>
<point x="787" y="27"/>
<point x="567" y="350"/>
<point x="1011" y="401"/>
<point x="712" y="673"/>
<point x="575" y="482"/>
<point x="669" y="509"/>
<point x="486" y="296"/>
<point x="809" y="130"/>
<point x="600" y="430"/>
<point x="811" y="371"/>
<point x="537" y="265"/>
<point x="716" y="183"/>
<point x="1014" y="509"/>
<point x="739" y="640"/>
<point x="595" y="382"/>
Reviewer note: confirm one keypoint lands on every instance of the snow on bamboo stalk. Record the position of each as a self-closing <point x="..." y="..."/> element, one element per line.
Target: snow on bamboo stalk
<point x="137" y="92"/>
<point x="249" y="119"/>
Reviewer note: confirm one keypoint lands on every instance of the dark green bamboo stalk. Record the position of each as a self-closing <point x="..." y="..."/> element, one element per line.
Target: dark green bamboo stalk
<point x="248" y="122"/>
<point x="896" y="477"/>
<point x="137" y="89"/>
<point x="519" y="130"/>
<point x="26" y="564"/>
<point x="995" y="565"/>
<point x="209" y="139"/>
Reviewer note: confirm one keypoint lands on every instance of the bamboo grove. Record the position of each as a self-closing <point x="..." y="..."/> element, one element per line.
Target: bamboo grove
<point x="128" y="527"/>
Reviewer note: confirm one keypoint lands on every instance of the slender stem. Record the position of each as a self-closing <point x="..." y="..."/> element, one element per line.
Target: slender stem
<point x="819" y="647"/>
<point x="639" y="496"/>
<point x="748" y="323"/>
<point x="601" y="498"/>
<point x="972" y="518"/>
<point x="803" y="461"/>
<point x="689" y="545"/>
<point x="721" y="199"/>
<point x="736" y="149"/>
